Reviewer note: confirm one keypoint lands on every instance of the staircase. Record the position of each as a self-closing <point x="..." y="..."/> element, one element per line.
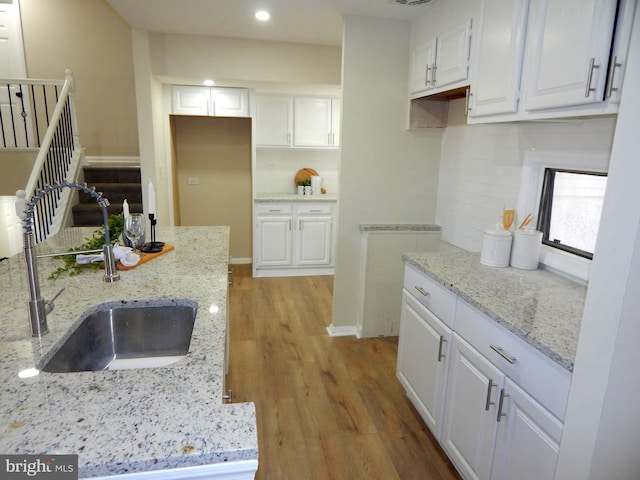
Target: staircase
<point x="116" y="184"/>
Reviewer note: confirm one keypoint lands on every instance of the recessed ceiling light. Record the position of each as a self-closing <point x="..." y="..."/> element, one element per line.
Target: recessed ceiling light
<point x="263" y="15"/>
<point x="209" y="83"/>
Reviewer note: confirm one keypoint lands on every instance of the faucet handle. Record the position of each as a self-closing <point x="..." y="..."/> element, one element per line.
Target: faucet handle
<point x="49" y="303"/>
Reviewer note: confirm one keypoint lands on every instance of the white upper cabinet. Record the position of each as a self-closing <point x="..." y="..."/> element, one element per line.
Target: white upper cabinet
<point x="442" y="62"/>
<point x="285" y="121"/>
<point x="312" y="122"/>
<point x="274" y="121"/>
<point x="498" y="59"/>
<point x="567" y="52"/>
<point x="423" y="59"/>
<point x="452" y="55"/>
<point x="210" y="101"/>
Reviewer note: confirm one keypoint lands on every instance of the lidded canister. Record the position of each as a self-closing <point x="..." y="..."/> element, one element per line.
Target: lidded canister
<point x="496" y="248"/>
<point x="525" y="254"/>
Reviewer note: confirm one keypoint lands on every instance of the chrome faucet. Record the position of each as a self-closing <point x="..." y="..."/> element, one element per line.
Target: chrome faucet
<point x="38" y="307"/>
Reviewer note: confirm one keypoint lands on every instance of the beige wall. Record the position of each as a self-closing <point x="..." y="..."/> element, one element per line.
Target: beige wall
<point x="217" y="152"/>
<point x="91" y="39"/>
<point x="232" y="61"/>
<point x="16" y="168"/>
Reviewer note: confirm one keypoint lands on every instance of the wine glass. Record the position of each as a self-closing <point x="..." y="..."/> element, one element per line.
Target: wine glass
<point x="134" y="227"/>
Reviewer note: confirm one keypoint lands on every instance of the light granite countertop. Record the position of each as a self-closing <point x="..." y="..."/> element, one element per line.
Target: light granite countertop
<point x="125" y="420"/>
<point x="399" y="227"/>
<point x="542" y="308"/>
<point x="292" y="197"/>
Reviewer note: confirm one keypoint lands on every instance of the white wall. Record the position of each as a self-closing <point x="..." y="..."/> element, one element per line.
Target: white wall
<point x="387" y="173"/>
<point x="481" y="167"/>
<point x="277" y="167"/>
<point x="232" y="61"/>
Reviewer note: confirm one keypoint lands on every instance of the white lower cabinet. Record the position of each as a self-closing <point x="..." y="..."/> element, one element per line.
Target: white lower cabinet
<point x="528" y="438"/>
<point x="423" y="352"/>
<point x="494" y="402"/>
<point x="470" y="426"/>
<point x="293" y="239"/>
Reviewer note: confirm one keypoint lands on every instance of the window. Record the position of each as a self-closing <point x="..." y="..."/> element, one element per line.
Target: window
<point x="570" y="208"/>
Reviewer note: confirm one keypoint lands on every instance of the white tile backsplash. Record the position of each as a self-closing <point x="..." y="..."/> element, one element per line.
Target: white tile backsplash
<point x="481" y="167"/>
<point x="276" y="168"/>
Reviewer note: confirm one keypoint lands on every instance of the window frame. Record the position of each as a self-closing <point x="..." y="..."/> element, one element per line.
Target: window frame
<point x="546" y="207"/>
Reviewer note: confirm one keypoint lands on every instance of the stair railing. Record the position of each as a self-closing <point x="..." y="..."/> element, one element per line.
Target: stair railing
<point x="58" y="158"/>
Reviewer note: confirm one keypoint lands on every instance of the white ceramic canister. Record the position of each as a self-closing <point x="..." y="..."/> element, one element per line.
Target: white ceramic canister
<point x="496" y="248"/>
<point x="525" y="253"/>
<point x="316" y="185"/>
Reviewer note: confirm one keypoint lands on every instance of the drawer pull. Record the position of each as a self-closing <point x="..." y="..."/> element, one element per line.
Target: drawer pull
<point x="502" y="353"/>
<point x="500" y="404"/>
<point x="440" y="354"/>
<point x="422" y="291"/>
<point x="488" y="402"/>
<point x="274" y="209"/>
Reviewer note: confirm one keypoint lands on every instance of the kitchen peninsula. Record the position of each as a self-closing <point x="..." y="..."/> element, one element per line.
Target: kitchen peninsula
<point x="126" y="421"/>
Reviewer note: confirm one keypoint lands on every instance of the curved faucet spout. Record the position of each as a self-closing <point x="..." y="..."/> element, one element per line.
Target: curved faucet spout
<point x="37" y="305"/>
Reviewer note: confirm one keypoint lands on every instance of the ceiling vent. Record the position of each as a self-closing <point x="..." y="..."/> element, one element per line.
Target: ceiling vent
<point x="411" y="2"/>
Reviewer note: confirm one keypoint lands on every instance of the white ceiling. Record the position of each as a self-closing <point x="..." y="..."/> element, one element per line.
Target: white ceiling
<point x="301" y="21"/>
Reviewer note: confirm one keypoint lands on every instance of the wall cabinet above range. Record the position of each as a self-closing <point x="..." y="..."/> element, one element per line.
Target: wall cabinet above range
<point x="442" y="61"/>
<point x="210" y="101"/>
<point x="307" y="122"/>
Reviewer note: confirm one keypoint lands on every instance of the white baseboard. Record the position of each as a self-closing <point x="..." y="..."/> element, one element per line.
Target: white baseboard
<point x="346" y="331"/>
<point x="112" y="161"/>
<point x="240" y="261"/>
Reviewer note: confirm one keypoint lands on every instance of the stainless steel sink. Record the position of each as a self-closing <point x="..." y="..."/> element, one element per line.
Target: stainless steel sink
<point x="119" y="335"/>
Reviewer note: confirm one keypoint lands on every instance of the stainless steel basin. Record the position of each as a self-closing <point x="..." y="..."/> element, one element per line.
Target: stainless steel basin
<point x="126" y="335"/>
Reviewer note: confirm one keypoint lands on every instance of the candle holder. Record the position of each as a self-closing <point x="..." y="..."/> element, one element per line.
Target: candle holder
<point x="152" y="246"/>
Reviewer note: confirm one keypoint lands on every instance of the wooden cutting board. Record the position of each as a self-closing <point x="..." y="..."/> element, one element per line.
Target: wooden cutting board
<point x="144" y="258"/>
<point x="305" y="174"/>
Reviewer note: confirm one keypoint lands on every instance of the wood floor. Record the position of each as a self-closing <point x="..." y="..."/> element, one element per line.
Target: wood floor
<point x="327" y="407"/>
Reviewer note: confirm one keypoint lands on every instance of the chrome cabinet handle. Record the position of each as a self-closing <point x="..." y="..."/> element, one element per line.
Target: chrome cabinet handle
<point x="612" y="68"/>
<point x="427" y="81"/>
<point x="433" y="74"/>
<point x="488" y="401"/>
<point x="440" y="354"/>
<point x="467" y="100"/>
<point x="289" y="225"/>
<point x="500" y="405"/>
<point x="504" y="355"/>
<point x="422" y="291"/>
<point x="592" y="67"/>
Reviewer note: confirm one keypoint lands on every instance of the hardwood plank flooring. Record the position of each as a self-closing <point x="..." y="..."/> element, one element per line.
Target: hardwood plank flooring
<point x="327" y="407"/>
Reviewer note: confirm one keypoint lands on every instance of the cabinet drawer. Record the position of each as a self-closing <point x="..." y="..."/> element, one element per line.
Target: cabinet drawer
<point x="314" y="209"/>
<point x="537" y="374"/>
<point x="431" y="294"/>
<point x="274" y="209"/>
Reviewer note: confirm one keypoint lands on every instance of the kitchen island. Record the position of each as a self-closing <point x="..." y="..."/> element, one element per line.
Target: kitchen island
<point x="126" y="421"/>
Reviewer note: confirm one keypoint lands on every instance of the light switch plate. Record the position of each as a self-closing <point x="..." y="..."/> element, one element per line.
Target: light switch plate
<point x="193" y="181"/>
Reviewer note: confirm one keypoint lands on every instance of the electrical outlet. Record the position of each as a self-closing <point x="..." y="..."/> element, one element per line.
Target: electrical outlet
<point x="193" y="181"/>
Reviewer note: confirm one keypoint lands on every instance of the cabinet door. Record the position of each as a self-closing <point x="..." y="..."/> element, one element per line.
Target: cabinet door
<point x="423" y="60"/>
<point x="313" y="241"/>
<point x="528" y="438"/>
<point x="191" y="100"/>
<point x="452" y="55"/>
<point x="498" y="60"/>
<point x="230" y="102"/>
<point x="274" y="241"/>
<point x="336" y="106"/>
<point x="312" y="120"/>
<point x="274" y="120"/>
<point x="470" y="427"/>
<point x="568" y="45"/>
<point x="423" y="354"/>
